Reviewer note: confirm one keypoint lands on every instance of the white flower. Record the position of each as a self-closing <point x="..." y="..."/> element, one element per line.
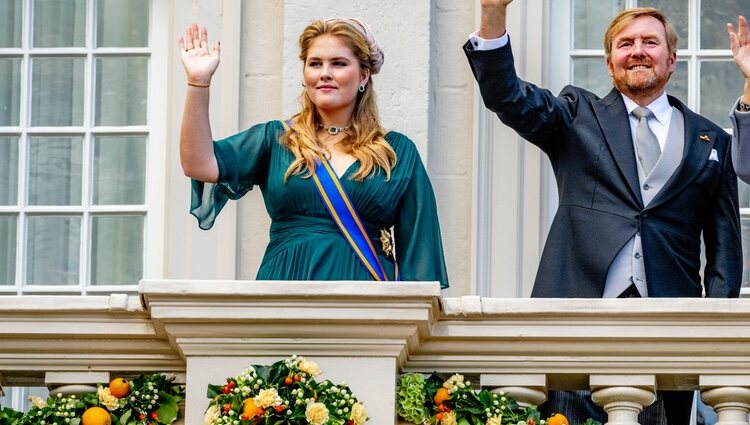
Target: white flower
<point x="267" y="398"/>
<point x="359" y="414"/>
<point x="212" y="415"/>
<point x="107" y="399"/>
<point x="316" y="414"/>
<point x="37" y="402"/>
<point x="311" y="368"/>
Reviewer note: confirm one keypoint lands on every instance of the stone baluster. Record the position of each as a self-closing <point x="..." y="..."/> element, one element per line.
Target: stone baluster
<point x="729" y="395"/>
<point x="623" y="397"/>
<point x="77" y="383"/>
<point x="527" y="390"/>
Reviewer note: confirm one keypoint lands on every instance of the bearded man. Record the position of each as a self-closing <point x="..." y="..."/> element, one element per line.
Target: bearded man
<point x="640" y="178"/>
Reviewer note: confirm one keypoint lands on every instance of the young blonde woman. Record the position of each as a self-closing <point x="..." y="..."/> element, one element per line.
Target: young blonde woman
<point x="336" y="136"/>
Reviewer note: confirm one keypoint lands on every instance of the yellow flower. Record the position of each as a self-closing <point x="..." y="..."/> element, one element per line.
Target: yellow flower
<point x="212" y="415"/>
<point x="316" y="414"/>
<point x="37" y="402"/>
<point x="359" y="415"/>
<point x="107" y="399"/>
<point x="267" y="398"/>
<point x="495" y="420"/>
<point x="449" y="418"/>
<point x="311" y="368"/>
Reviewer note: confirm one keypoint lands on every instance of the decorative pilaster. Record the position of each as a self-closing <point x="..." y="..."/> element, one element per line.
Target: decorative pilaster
<point x="527" y="390"/>
<point x="729" y="396"/>
<point x="355" y="331"/>
<point x="623" y="397"/>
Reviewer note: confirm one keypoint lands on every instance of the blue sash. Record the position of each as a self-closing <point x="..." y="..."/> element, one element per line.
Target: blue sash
<point x="345" y="216"/>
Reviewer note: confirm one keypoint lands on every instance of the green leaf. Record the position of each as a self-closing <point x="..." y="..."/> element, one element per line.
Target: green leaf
<point x="167" y="408"/>
<point x="214" y="390"/>
<point x="125" y="416"/>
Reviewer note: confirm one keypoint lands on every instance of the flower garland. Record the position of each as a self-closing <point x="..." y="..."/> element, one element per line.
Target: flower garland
<point x="283" y="393"/>
<point x="434" y="401"/>
<point x="146" y="400"/>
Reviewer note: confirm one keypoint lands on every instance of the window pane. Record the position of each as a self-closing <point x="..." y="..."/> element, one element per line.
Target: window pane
<point x="121" y="90"/>
<point x="745" y="250"/>
<point x="10" y="23"/>
<point x="119" y="170"/>
<point x="592" y="75"/>
<point x="10" y="90"/>
<point x="55" y="169"/>
<point x="8" y="249"/>
<point x="59" y="23"/>
<point x="8" y="170"/>
<point x="591" y="19"/>
<point x="677" y="13"/>
<point x="678" y="82"/>
<point x="721" y="85"/>
<point x="122" y="23"/>
<point x="744" y="194"/>
<point x="57" y="91"/>
<point x="116" y="250"/>
<point x="714" y="17"/>
<point x="54" y="245"/>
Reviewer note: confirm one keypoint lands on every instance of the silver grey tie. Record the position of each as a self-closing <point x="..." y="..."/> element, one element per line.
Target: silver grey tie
<point x="645" y="140"/>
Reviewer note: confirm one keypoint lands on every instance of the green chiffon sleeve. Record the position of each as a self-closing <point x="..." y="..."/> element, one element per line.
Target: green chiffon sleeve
<point x="243" y="163"/>
<point x="419" y="248"/>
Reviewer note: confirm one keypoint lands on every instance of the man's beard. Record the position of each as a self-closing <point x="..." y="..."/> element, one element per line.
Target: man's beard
<point x="639" y="86"/>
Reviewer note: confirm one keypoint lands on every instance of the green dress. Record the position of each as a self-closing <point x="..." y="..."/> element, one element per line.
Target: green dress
<point x="305" y="243"/>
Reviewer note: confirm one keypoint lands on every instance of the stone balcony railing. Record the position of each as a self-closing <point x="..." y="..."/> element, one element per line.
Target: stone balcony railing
<point x="365" y="333"/>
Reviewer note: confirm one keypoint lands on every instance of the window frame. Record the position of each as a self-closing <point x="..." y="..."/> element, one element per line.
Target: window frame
<point x="154" y="131"/>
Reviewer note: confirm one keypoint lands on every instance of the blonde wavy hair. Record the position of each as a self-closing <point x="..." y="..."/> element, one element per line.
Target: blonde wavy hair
<point x="364" y="140"/>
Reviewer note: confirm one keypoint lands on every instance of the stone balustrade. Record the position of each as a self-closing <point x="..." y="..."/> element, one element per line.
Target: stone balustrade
<point x="366" y="334"/>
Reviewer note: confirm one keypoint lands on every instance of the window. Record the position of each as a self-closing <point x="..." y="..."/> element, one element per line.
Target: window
<point x="706" y="78"/>
<point x="74" y="143"/>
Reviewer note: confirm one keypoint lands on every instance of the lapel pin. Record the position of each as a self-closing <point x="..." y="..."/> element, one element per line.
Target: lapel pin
<point x="704" y="138"/>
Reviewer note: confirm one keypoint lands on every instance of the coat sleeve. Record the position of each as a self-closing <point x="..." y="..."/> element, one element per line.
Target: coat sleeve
<point x="534" y="113"/>
<point x="741" y="143"/>
<point x="243" y="163"/>
<point x="419" y="247"/>
<point x="722" y="275"/>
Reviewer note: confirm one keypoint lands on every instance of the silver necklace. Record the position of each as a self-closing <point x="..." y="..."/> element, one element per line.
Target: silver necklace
<point x="333" y="130"/>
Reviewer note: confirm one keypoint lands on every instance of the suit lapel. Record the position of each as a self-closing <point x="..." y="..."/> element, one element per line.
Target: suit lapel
<point x="698" y="144"/>
<point x="613" y="120"/>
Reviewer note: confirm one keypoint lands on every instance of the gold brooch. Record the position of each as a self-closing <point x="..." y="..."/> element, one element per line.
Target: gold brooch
<point x="704" y="138"/>
<point x="385" y="240"/>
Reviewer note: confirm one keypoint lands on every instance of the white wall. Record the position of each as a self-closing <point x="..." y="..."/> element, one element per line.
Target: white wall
<point x="425" y="90"/>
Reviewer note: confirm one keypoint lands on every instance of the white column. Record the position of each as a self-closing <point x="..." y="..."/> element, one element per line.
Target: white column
<point x="729" y="396"/>
<point x="623" y="397"/>
<point x="526" y="390"/>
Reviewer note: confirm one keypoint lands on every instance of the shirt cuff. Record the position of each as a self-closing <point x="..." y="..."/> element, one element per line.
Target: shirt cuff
<point x="479" y="43"/>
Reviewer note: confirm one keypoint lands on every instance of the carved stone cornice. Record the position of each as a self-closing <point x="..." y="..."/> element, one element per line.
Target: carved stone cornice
<point x="75" y="333"/>
<point x="255" y="318"/>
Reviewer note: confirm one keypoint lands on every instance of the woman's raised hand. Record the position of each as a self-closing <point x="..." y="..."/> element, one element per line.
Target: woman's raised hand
<point x="200" y="63"/>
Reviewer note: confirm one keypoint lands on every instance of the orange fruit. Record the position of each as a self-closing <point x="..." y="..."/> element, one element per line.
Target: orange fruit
<point x="557" y="419"/>
<point x="96" y="416"/>
<point x="441" y="396"/>
<point x="119" y="387"/>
